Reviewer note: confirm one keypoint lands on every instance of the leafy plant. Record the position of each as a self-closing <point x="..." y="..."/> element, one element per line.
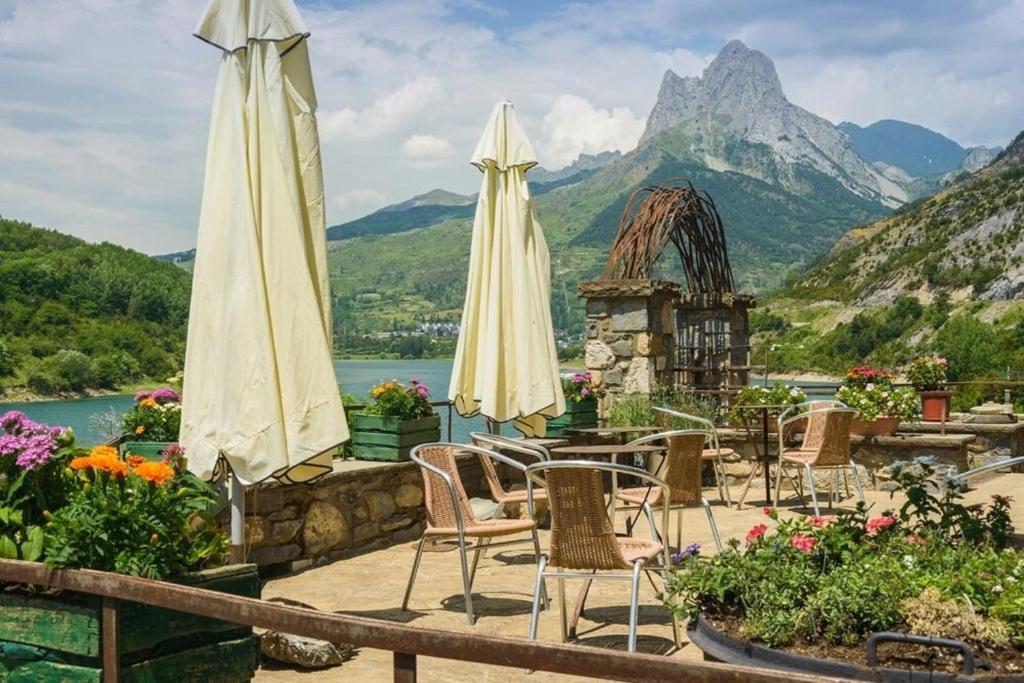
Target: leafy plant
<point x="775" y="395"/>
<point x="156" y="416"/>
<point x="928" y="373"/>
<point x="871" y="393"/>
<point x="577" y="386"/>
<point x="394" y="399"/>
<point x="135" y="517"/>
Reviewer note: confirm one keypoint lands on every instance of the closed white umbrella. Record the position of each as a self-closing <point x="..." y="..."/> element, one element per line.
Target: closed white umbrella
<point x="260" y="392"/>
<point x="506" y="364"/>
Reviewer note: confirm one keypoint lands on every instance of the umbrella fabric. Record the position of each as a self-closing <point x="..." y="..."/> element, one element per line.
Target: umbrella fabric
<point x="260" y="389"/>
<point x="506" y="365"/>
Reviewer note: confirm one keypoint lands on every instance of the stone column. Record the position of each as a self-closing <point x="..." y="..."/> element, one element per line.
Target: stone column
<point x="629" y="336"/>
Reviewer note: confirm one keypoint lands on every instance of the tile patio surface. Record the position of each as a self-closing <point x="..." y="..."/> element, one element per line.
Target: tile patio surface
<point x="372" y="585"/>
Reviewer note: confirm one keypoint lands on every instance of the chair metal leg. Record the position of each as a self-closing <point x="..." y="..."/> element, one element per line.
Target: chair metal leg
<point x="856" y="482"/>
<point x="724" y="485"/>
<point x="537" y="556"/>
<point x="481" y="548"/>
<point x="537" y="591"/>
<point x="466" y="580"/>
<point x="714" y="526"/>
<point x="650" y="521"/>
<point x="563" y="609"/>
<point x="676" y="639"/>
<point x="412" y="576"/>
<point x="634" y="606"/>
<point x="679" y="529"/>
<point x="778" y="482"/>
<point x="810" y="485"/>
<point x="716" y="465"/>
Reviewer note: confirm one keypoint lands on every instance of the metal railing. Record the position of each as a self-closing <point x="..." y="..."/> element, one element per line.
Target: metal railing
<point x="405" y="642"/>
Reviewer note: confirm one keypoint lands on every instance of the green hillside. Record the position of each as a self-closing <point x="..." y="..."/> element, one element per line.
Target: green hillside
<point x="75" y="315"/>
<point x="944" y="274"/>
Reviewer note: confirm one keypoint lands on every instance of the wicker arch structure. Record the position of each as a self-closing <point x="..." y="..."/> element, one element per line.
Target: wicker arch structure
<point x="656" y="215"/>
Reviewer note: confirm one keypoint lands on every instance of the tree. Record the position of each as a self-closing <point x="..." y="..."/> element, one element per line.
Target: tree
<point x="970" y="346"/>
<point x="71" y="369"/>
<point x="8" y="362"/>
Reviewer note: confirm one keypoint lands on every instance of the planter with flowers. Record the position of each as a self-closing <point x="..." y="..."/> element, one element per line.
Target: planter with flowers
<point x="807" y="593"/>
<point x="68" y="507"/>
<point x="928" y="375"/>
<point x="580" y="405"/>
<point x="880" y="406"/>
<point x="743" y="412"/>
<point x="397" y="419"/>
<point x="152" y="424"/>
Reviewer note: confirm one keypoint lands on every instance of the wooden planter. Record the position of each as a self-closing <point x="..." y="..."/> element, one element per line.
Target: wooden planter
<point x="59" y="637"/>
<point x="376" y="437"/>
<point x="880" y="426"/>
<point x="935" y="405"/>
<point x="577" y="415"/>
<point x="150" y="450"/>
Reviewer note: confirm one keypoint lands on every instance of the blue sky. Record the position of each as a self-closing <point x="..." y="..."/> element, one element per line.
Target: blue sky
<point x="105" y="105"/>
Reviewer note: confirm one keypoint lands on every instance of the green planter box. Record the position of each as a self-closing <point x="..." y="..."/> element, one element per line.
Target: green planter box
<point x="150" y="450"/>
<point x="376" y="437"/>
<point x="576" y="416"/>
<point x="44" y="638"/>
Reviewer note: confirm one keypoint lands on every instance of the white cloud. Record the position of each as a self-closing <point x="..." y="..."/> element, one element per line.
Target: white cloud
<point x="574" y="125"/>
<point x="361" y="199"/>
<point x="426" y="150"/>
<point x="385" y="115"/>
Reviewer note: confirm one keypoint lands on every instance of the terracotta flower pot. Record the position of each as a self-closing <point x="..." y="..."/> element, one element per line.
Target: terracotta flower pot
<point x="935" y="405"/>
<point x="880" y="426"/>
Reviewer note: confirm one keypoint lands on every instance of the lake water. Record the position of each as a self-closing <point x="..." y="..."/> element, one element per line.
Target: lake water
<point x="356" y="377"/>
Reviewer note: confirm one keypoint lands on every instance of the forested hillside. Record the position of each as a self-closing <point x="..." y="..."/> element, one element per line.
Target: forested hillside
<point x="75" y="315"/>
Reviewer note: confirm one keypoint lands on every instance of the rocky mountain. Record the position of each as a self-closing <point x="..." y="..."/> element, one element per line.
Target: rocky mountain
<point x="966" y="243"/>
<point x="584" y="162"/>
<point x="739" y="96"/>
<point x="914" y="149"/>
<point x="436" y="197"/>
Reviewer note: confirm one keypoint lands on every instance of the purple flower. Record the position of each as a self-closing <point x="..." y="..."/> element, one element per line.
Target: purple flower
<point x="691" y="550"/>
<point x="10" y="445"/>
<point x="37" y="450"/>
<point x="11" y="421"/>
<point x="166" y="395"/>
<point x="143" y="395"/>
<point x="584" y="392"/>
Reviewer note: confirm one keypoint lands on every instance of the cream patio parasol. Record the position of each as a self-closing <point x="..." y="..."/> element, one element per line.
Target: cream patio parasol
<point x="260" y="393"/>
<point x="506" y="365"/>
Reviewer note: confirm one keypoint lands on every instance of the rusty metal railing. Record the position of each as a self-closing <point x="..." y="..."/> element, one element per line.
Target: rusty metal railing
<point x="405" y="642"/>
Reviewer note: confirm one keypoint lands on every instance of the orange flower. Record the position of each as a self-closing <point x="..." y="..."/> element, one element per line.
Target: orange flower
<point x="81" y="463"/>
<point x="140" y="429"/>
<point x="148" y="403"/>
<point x="156" y="472"/>
<point x="135" y="460"/>
<point x="104" y="452"/>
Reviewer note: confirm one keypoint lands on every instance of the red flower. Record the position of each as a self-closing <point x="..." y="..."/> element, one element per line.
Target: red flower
<point x="756" y="532"/>
<point x="879" y="523"/>
<point x="804" y="544"/>
<point x="822" y="520"/>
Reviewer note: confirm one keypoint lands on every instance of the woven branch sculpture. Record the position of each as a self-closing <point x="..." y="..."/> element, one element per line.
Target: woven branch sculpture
<point x="679" y="213"/>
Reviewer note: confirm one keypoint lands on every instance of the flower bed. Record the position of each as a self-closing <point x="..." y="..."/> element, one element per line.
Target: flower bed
<point x="880" y="406"/>
<point x="781" y="395"/>
<point x="822" y="585"/>
<point x="152" y="424"/>
<point x="397" y="419"/>
<point x="580" y="405"/>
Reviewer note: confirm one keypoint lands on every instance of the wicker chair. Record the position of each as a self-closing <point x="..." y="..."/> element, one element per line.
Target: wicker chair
<point x="680" y="468"/>
<point x="715" y="453"/>
<point x="449" y="513"/>
<point x="583" y="540"/>
<point x="492" y="442"/>
<point x="826" y="445"/>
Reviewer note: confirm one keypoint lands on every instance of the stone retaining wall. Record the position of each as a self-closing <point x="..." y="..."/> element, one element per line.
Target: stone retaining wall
<point x="360" y="506"/>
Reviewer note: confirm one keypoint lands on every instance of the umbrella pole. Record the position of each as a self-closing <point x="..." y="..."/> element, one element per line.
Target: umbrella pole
<point x="237" y="520"/>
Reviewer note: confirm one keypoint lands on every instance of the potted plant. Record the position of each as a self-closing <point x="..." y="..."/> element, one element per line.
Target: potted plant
<point x="580" y="405"/>
<point x="397" y="419"/>
<point x="152" y="424"/>
<point x="781" y="396"/>
<point x="928" y="375"/>
<point x="72" y="508"/>
<point x="806" y="593"/>
<point x="880" y="406"/>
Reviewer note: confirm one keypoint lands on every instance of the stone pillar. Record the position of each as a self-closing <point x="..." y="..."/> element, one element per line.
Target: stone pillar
<point x="629" y="336"/>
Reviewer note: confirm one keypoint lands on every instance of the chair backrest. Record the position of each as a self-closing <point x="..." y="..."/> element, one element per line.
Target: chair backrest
<point x="681" y="465"/>
<point x="493" y="442"/>
<point x="831" y="436"/>
<point x="664" y="417"/>
<point x="438" y="493"/>
<point x="582" y="535"/>
<point x="817" y="416"/>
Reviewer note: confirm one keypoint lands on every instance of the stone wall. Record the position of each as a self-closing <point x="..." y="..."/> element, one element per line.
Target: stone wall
<point x="358" y="507"/>
<point x="629" y="336"/>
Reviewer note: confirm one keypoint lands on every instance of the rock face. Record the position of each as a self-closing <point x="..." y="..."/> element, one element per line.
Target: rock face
<point x="740" y="92"/>
<point x="305" y="652"/>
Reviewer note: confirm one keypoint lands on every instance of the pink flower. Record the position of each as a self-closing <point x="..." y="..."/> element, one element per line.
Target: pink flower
<point x="756" y="532"/>
<point x="143" y="395"/>
<point x="822" y="520"/>
<point x="804" y="544"/>
<point x="879" y="523"/>
<point x="915" y="539"/>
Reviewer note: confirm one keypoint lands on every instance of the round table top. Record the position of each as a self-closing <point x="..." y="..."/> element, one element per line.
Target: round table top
<point x="546" y="442"/>
<point x="607" y="449"/>
<point x="617" y="430"/>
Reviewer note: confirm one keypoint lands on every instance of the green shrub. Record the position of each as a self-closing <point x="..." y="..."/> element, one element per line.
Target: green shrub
<point x="113" y="369"/>
<point x="70" y="369"/>
<point x="970" y="346"/>
<point x="8" y="361"/>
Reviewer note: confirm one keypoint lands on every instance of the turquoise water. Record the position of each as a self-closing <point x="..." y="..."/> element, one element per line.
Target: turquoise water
<point x="355" y="376"/>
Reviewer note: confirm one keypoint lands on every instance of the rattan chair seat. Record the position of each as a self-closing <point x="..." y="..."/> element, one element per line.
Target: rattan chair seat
<point x="515" y="497"/>
<point x="485" y="528"/>
<point x="640" y="495"/>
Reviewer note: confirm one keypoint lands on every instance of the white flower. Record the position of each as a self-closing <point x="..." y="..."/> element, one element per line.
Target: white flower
<point x="869" y="386"/>
<point x="908" y="560"/>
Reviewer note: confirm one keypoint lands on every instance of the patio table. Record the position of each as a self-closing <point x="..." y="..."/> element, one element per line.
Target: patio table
<point x="620" y="433"/>
<point x="766" y="459"/>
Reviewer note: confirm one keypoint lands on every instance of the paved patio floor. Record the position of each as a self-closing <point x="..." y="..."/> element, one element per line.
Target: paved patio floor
<point x="372" y="585"/>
